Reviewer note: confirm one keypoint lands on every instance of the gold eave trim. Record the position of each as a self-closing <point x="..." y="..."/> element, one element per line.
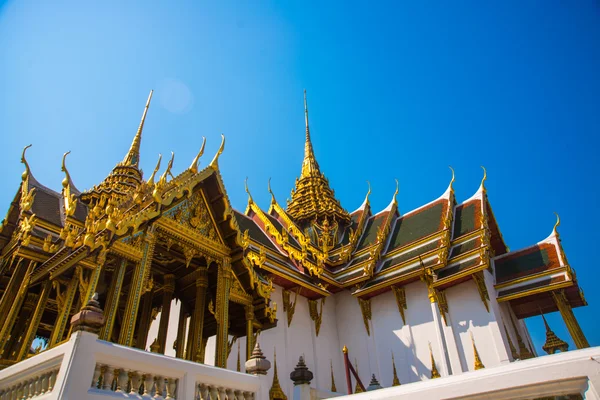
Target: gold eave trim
<point x="306" y="285"/>
<point x="409" y="261"/>
<point x="464" y="256"/>
<point x="171" y="227"/>
<point x="126" y="251"/>
<point x="466" y="237"/>
<point x="462" y="274"/>
<point x="526" y="293"/>
<point x="50" y="227"/>
<point x="528" y="277"/>
<point x="389" y="282"/>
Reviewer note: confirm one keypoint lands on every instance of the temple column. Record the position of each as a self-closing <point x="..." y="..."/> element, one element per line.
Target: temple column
<point x="181" y="327"/>
<point x="8" y="297"/>
<point x="11" y="316"/>
<point x="567" y="314"/>
<point x="249" y="331"/>
<point x="197" y="320"/>
<point x="35" y="320"/>
<point x="94" y="277"/>
<point x="136" y="288"/>
<point x="14" y="344"/>
<point x="145" y="320"/>
<point x="222" y="312"/>
<point x="168" y="289"/>
<point x="112" y="301"/>
<point x="64" y="311"/>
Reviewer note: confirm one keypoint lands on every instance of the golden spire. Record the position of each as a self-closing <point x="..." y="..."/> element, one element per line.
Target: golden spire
<point x="434" y="371"/>
<point x="513" y="351"/>
<point x="215" y="162"/>
<point x="312" y="198"/>
<point x="309" y="165"/>
<point x="478" y="363"/>
<point x="132" y="158"/>
<point x="276" y="392"/>
<point x="333" y="388"/>
<point x="553" y="342"/>
<point x="395" y="381"/>
<point x="357" y="388"/>
<point x="194" y="166"/>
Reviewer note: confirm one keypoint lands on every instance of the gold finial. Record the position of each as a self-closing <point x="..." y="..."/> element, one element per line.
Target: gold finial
<point x="151" y="179"/>
<point x="270" y="191"/>
<point x="395" y="380"/>
<point x="434" y="371"/>
<point x="194" y="166"/>
<point x="276" y="392"/>
<point x="215" y="162"/>
<point x="452" y="180"/>
<point x="132" y="157"/>
<point x="163" y="177"/>
<point x="345" y="350"/>
<point x="478" y="363"/>
<point x="27" y="171"/>
<point x="250" y="201"/>
<point x="396" y="192"/>
<point x="368" y="192"/>
<point x="484" y="177"/>
<point x="309" y="165"/>
<point x="333" y="388"/>
<point x="63" y="168"/>
<point x="556" y="225"/>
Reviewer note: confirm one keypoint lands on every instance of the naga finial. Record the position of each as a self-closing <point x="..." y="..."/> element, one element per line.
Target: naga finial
<point x="27" y="171"/>
<point x="194" y="166"/>
<point x="63" y="168"/>
<point x="215" y="162"/>
<point x="451" y="180"/>
<point x="163" y="177"/>
<point x="556" y="225"/>
<point x="248" y="191"/>
<point x="484" y="177"/>
<point x="396" y="192"/>
<point x="273" y="201"/>
<point x="368" y="192"/>
<point x="151" y="179"/>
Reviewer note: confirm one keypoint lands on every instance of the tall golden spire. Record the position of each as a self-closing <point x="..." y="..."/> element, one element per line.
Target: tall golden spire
<point x="357" y="388"/>
<point x="276" y="392"/>
<point x="395" y="380"/>
<point x="312" y="199"/>
<point x="553" y="342"/>
<point x="132" y="158"/>
<point x="478" y="363"/>
<point x="434" y="371"/>
<point x="333" y="388"/>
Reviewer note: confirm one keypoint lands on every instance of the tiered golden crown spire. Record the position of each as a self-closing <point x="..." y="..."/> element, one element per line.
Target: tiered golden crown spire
<point x="132" y="158"/>
<point x="312" y="198"/>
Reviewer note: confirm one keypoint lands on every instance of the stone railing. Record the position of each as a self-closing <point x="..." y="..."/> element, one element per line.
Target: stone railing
<point x="88" y="368"/>
<point x="33" y="377"/>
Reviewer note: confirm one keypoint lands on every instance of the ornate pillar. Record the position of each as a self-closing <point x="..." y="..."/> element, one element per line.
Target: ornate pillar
<point x="14" y="344"/>
<point x="163" y="326"/>
<point x="222" y="312"/>
<point x="145" y="320"/>
<point x="140" y="274"/>
<point x="112" y="301"/>
<point x="181" y="326"/>
<point x="11" y="316"/>
<point x="65" y="302"/>
<point x="35" y="320"/>
<point x="567" y="314"/>
<point x="249" y="331"/>
<point x="197" y="321"/>
<point x="8" y="297"/>
<point x="94" y="277"/>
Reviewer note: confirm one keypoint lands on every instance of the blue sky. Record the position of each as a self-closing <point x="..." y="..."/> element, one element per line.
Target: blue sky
<point x="395" y="90"/>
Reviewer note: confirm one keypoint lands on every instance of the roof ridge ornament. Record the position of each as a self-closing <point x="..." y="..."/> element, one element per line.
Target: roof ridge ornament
<point x="556" y="225"/>
<point x="452" y="180"/>
<point x="151" y="179"/>
<point x="194" y="166"/>
<point x="482" y="185"/>
<point x="27" y="172"/>
<point x="132" y="158"/>
<point x="250" y="200"/>
<point x="273" y="201"/>
<point x="214" y="164"/>
<point x="63" y="168"/>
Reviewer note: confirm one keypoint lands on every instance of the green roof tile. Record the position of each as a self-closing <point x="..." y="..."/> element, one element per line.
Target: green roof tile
<point x="416" y="226"/>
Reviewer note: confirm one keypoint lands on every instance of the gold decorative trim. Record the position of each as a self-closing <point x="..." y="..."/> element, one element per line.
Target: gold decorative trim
<point x="316" y="315"/>
<point x="365" y="309"/>
<point x="400" y="294"/>
<point x="482" y="289"/>
<point x="288" y="306"/>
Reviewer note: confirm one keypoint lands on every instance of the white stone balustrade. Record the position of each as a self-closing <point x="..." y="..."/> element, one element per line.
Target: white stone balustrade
<point x="88" y="368"/>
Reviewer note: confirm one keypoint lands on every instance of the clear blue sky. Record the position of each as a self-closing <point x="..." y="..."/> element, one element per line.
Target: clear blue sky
<point x="395" y="90"/>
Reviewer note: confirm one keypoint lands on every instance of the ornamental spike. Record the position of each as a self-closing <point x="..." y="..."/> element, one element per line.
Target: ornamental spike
<point x="482" y="185"/>
<point x="194" y="166"/>
<point x="452" y="180"/>
<point x="214" y="164"/>
<point x="273" y="201"/>
<point x="132" y="158"/>
<point x="556" y="225"/>
<point x="27" y="171"/>
<point x="63" y="168"/>
<point x="151" y="179"/>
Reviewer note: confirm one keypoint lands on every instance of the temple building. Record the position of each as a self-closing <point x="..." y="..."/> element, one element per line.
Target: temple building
<point x="410" y="295"/>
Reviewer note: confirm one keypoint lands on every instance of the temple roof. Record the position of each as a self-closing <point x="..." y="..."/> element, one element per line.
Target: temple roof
<point x="312" y="198"/>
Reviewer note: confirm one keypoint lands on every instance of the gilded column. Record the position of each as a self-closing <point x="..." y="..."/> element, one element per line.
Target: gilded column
<point x="567" y="314"/>
<point x="163" y="326"/>
<point x="197" y="321"/>
<point x="249" y="331"/>
<point x="8" y="297"/>
<point x="181" y="327"/>
<point x="11" y="316"/>
<point x="65" y="303"/>
<point x="14" y="344"/>
<point x="112" y="301"/>
<point x="94" y="277"/>
<point x="222" y="312"/>
<point x="35" y="320"/>
<point x="145" y="320"/>
<point x="135" y="290"/>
